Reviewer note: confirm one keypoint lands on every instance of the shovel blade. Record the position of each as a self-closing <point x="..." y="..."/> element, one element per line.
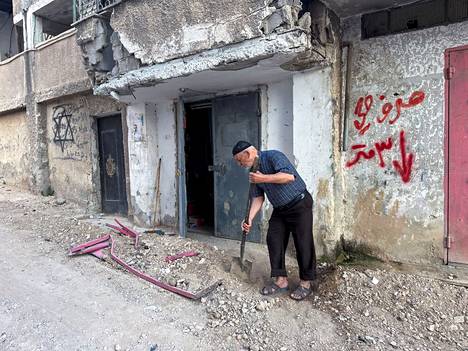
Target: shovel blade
<point x="241" y="268"/>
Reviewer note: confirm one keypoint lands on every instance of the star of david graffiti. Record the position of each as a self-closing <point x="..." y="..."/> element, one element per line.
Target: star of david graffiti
<point x="62" y="128"/>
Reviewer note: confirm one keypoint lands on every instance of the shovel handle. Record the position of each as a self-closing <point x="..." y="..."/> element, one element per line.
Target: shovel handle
<point x="254" y="168"/>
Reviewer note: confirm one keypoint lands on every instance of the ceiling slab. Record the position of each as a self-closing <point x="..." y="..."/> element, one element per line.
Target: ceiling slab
<point x="58" y="11"/>
<point x="347" y="8"/>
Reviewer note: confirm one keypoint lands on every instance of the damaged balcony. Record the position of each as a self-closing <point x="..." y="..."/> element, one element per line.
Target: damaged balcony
<point x="57" y="69"/>
<point x="272" y="40"/>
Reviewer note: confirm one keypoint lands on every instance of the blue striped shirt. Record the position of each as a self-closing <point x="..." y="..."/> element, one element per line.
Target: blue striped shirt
<point x="272" y="162"/>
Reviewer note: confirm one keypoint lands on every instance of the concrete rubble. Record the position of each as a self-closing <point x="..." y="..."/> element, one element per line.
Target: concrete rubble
<point x="374" y="306"/>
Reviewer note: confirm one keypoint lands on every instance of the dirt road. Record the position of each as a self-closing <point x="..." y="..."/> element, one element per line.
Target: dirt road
<point x="49" y="301"/>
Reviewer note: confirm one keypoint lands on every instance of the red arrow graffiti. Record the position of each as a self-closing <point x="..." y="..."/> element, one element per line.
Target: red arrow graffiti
<point x="406" y="160"/>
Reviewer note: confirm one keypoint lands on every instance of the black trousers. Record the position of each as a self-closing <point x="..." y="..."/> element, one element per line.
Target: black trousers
<point x="298" y="221"/>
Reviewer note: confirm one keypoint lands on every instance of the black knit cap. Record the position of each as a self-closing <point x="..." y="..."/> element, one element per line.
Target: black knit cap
<point x="240" y="146"/>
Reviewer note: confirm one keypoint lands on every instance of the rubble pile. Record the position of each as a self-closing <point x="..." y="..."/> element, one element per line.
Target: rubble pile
<point x="360" y="308"/>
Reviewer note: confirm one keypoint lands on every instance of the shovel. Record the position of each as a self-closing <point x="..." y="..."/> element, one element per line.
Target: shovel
<point x="239" y="262"/>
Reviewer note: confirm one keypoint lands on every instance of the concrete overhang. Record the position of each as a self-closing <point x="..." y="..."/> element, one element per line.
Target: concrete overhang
<point x="347" y="8"/>
<point x="249" y="63"/>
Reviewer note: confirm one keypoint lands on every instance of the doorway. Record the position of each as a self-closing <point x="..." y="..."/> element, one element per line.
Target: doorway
<point x="216" y="187"/>
<point x="111" y="162"/>
<point x="456" y="68"/>
<point x="198" y="165"/>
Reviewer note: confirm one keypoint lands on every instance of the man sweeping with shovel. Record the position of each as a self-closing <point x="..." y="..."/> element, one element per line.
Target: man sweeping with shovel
<point x="292" y="213"/>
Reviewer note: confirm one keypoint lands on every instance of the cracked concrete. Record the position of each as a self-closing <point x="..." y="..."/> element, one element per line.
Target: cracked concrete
<point x="290" y="42"/>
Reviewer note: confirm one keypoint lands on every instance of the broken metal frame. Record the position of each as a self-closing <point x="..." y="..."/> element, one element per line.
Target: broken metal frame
<point x="172" y="258"/>
<point x="125" y="231"/>
<point x="95" y="247"/>
<point x="83" y="9"/>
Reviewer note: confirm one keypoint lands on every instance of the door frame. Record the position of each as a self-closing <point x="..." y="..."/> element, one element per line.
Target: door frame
<point x="447" y="53"/>
<point x="181" y="167"/>
<point x="96" y="168"/>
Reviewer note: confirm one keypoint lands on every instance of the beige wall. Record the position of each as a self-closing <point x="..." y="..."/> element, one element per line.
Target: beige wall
<point x="12" y="83"/>
<point x="59" y="69"/>
<point x="14" y="166"/>
<point x="74" y="172"/>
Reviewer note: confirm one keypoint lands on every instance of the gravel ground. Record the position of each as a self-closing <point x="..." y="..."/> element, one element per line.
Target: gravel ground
<point x="358" y="306"/>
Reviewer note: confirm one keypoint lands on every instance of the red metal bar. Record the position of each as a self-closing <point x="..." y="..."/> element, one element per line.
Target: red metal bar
<point x="99" y="254"/>
<point x="120" y="230"/>
<point x="85" y="245"/>
<point x="94" y="247"/>
<point x="156" y="282"/>
<point x="180" y="255"/>
<point x="131" y="232"/>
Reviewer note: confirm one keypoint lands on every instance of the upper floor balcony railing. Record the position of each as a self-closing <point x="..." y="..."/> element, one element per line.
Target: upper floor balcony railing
<point x="86" y="8"/>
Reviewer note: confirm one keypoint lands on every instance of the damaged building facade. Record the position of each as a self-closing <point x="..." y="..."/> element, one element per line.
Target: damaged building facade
<point x="366" y="100"/>
<point x="49" y="117"/>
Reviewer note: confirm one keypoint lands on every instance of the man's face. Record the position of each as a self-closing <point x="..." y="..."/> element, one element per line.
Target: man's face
<point x="243" y="159"/>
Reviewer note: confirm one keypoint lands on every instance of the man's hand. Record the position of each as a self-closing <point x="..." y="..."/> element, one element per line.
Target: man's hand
<point x="257" y="177"/>
<point x="246" y="227"/>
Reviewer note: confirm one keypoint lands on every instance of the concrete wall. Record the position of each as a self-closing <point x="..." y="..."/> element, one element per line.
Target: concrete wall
<point x="151" y="137"/>
<point x="312" y="147"/>
<point x="297" y="119"/>
<point x="14" y="148"/>
<point x="299" y="122"/>
<point x="59" y="69"/>
<point x="279" y="119"/>
<point x="166" y="124"/>
<point x="12" y="83"/>
<point x="74" y="168"/>
<point x="398" y="213"/>
<point x="157" y="31"/>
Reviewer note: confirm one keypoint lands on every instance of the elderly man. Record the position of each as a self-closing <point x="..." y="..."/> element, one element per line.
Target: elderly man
<point x="292" y="213"/>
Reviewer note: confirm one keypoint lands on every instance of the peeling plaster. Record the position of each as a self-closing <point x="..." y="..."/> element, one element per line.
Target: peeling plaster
<point x="406" y="63"/>
<point x="14" y="160"/>
<point x="190" y="27"/>
<point x="153" y="139"/>
<point x="313" y="147"/>
<point x="291" y="42"/>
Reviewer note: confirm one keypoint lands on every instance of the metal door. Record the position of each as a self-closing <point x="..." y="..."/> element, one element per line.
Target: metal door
<point x="234" y="118"/>
<point x="457" y="154"/>
<point x="111" y="161"/>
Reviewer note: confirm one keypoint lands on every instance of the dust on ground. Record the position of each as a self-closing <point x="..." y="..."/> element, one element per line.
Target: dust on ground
<point x="355" y="307"/>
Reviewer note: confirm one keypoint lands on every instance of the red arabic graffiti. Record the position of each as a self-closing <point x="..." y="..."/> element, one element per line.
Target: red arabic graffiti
<point x="403" y="167"/>
<point x="365" y="103"/>
<point x="380" y="147"/>
<point x="390" y="111"/>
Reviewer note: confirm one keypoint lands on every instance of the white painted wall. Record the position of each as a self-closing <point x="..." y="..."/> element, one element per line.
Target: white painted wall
<point x="142" y="153"/>
<point x="297" y="121"/>
<point x="167" y="146"/>
<point x="312" y="129"/>
<point x="403" y="220"/>
<point x="279" y="118"/>
<point x="151" y="136"/>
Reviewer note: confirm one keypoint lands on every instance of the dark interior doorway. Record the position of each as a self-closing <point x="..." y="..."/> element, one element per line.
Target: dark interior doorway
<point x="199" y="161"/>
